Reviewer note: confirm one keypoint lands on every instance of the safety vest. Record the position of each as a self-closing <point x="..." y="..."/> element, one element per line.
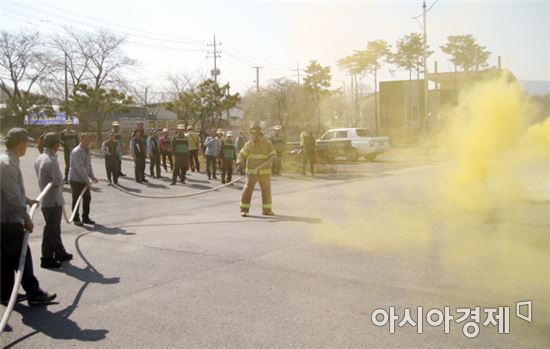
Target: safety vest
<point x="193" y="140"/>
<point x="307" y="140"/>
<point x="168" y="143"/>
<point x="70" y="140"/>
<point x="180" y="146"/>
<point x="228" y="151"/>
<point x="257" y="154"/>
<point x="278" y="143"/>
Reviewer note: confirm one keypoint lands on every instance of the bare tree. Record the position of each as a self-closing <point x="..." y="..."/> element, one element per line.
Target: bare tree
<point x="23" y="62"/>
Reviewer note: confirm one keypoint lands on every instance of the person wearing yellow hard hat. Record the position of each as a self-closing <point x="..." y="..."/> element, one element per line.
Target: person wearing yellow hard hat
<point x="211" y="152"/>
<point x="180" y="150"/>
<point x="257" y="155"/>
<point x="279" y="142"/>
<point x="165" y="142"/>
<point x="194" y="143"/>
<point x="228" y="155"/>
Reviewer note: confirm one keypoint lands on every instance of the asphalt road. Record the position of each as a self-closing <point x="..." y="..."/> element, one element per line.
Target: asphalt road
<point x="191" y="273"/>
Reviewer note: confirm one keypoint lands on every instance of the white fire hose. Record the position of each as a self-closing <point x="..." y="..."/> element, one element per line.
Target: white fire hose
<point x="21" y="268"/>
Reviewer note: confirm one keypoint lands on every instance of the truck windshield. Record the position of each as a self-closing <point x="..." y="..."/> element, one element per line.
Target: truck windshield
<point x="327" y="136"/>
<point x="362" y="132"/>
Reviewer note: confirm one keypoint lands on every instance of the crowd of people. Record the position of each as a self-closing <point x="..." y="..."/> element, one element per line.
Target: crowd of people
<point x="179" y="153"/>
<point x="256" y="156"/>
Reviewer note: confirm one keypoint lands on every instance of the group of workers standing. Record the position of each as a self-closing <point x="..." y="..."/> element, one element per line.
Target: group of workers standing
<point x="258" y="157"/>
<point x="181" y="152"/>
<point x="14" y="217"/>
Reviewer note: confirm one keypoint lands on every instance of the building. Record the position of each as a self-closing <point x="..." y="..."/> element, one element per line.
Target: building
<point x="401" y="113"/>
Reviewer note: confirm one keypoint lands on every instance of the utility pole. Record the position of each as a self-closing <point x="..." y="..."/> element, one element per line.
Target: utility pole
<point x="66" y="87"/>
<point x="214" y="54"/>
<point x="146" y="96"/>
<point x="257" y="79"/>
<point x="425" y="54"/>
<point x="297" y="70"/>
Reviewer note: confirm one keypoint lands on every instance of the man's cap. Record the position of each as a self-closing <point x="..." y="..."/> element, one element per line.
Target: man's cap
<point x="68" y="122"/>
<point x="50" y="139"/>
<point x="219" y="131"/>
<point x="229" y="134"/>
<point x="255" y="127"/>
<point x="181" y="127"/>
<point x="18" y="134"/>
<point x="190" y="128"/>
<point x="165" y="130"/>
<point x="277" y="128"/>
<point x="115" y="123"/>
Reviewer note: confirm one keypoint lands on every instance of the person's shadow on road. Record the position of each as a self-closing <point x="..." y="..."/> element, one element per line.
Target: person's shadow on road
<point x="55" y="325"/>
<point x="107" y="230"/>
<point x="58" y="325"/>
<point x="87" y="274"/>
<point x="282" y="218"/>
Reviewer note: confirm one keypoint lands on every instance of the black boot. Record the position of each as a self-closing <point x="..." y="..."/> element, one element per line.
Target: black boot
<point x="50" y="263"/>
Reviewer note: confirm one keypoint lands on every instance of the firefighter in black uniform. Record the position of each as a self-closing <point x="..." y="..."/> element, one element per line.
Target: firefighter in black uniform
<point x="69" y="140"/>
<point x="180" y="150"/>
<point x="278" y="141"/>
<point x="228" y="154"/>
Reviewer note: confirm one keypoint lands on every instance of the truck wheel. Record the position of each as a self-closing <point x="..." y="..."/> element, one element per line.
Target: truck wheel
<point x="370" y="157"/>
<point x="352" y="154"/>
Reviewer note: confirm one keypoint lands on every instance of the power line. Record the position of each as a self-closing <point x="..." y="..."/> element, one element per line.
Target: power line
<point x="158" y="36"/>
<point x="78" y="23"/>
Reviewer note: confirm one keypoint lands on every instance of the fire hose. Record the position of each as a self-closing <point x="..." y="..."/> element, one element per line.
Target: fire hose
<point x="199" y="192"/>
<point x="23" y="255"/>
<point x="21" y="268"/>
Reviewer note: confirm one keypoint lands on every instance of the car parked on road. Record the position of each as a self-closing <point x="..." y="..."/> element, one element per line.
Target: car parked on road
<point x="352" y="143"/>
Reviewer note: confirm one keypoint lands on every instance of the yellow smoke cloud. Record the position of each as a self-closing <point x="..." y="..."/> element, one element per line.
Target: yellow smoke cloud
<point x="483" y="219"/>
<point x="483" y="134"/>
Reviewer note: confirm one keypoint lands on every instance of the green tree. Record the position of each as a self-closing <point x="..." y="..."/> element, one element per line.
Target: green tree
<point x="186" y="106"/>
<point x="371" y="60"/>
<point x="354" y="67"/>
<point x="214" y="101"/>
<point x="23" y="62"/>
<point x="409" y="51"/>
<point x="465" y="53"/>
<point x="317" y="85"/>
<point x="93" y="104"/>
<point x="204" y="104"/>
<point x="409" y="55"/>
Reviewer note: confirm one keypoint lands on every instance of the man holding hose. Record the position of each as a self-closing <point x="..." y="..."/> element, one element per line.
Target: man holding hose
<point x="80" y="173"/>
<point x="47" y="170"/>
<point x="256" y="156"/>
<point x="15" y="220"/>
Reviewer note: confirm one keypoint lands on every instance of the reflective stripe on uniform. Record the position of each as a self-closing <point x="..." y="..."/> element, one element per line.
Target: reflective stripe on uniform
<point x="243" y="205"/>
<point x="273" y="153"/>
<point x="257" y="156"/>
<point x="266" y="171"/>
<point x="266" y="206"/>
<point x="243" y="153"/>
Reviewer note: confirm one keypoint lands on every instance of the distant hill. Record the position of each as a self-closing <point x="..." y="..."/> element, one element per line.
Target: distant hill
<point x="534" y="87"/>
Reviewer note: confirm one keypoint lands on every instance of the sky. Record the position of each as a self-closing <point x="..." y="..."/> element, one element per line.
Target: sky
<point x="171" y="36"/>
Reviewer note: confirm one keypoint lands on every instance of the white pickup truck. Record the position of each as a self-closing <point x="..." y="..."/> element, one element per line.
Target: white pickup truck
<point x="352" y="143"/>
